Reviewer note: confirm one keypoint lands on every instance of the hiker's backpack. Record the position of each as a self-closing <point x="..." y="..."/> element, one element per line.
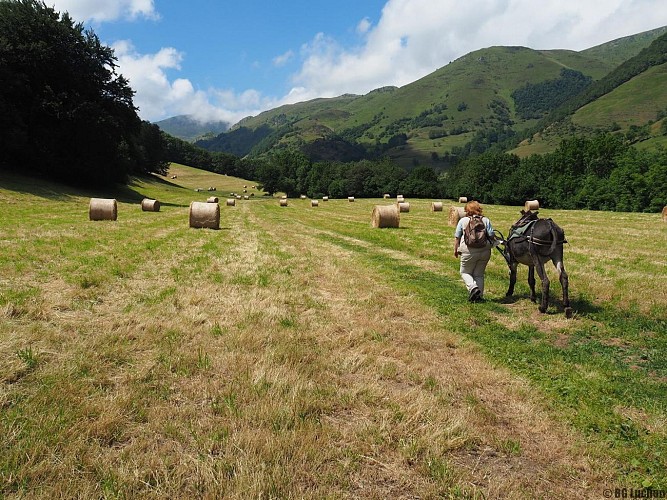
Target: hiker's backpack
<point x="474" y="233"/>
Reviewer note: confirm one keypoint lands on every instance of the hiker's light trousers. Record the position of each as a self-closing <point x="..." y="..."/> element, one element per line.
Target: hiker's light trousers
<point x="473" y="265"/>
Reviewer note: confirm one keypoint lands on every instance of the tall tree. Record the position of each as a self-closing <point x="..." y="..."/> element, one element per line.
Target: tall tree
<point x="64" y="108"/>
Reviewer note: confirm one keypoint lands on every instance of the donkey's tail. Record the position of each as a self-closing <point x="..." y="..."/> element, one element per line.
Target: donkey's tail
<point x="554" y="236"/>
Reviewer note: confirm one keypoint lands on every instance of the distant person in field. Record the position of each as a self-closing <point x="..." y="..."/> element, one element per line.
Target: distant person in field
<point x="474" y="248"/>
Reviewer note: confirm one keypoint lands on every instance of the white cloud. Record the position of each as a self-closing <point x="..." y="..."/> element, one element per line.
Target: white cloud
<point x="106" y="10"/>
<point x="157" y="97"/>
<point x="283" y="59"/>
<point x="363" y="26"/>
<point x="415" y="37"/>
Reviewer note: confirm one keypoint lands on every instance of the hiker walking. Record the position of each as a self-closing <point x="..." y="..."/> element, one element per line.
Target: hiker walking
<point x="473" y="239"/>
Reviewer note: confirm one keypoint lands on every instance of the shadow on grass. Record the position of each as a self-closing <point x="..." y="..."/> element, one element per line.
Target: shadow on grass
<point x="57" y="191"/>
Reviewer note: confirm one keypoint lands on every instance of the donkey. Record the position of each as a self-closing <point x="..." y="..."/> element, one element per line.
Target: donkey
<point x="533" y="241"/>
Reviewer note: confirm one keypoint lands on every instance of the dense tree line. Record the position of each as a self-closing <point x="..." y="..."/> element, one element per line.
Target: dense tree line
<point x="291" y="172"/>
<point x="64" y="110"/>
<point x="599" y="173"/>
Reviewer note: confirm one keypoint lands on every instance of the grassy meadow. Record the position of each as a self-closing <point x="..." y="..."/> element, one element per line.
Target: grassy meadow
<point x="297" y="352"/>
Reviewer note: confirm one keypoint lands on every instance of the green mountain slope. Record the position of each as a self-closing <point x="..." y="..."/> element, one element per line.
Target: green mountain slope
<point x="472" y="98"/>
<point x="618" y="51"/>
<point x="630" y="101"/>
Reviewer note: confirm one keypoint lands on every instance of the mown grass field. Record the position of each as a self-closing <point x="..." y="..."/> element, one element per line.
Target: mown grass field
<point x="298" y="353"/>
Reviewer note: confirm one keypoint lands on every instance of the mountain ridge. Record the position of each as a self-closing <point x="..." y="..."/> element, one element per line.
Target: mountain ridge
<point x="432" y="118"/>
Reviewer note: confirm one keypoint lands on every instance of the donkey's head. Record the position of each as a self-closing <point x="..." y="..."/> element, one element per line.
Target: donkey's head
<point x="526" y="217"/>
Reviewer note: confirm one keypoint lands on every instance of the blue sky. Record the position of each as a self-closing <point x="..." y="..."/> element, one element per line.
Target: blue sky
<point x="227" y="60"/>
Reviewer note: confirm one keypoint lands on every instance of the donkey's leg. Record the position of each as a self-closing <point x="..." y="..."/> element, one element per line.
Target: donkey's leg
<point x="542" y="273"/>
<point x="531" y="283"/>
<point x="512" y="269"/>
<point x="564" y="283"/>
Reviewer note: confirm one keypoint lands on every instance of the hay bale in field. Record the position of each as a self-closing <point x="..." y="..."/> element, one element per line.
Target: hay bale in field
<point x="403" y="207"/>
<point x="303" y="197"/>
<point x="455" y="213"/>
<point x="148" y="205"/>
<point x="283" y="197"/>
<point x="103" y="209"/>
<point x="283" y="202"/>
<point x="238" y="197"/>
<point x="314" y="203"/>
<point x="436" y="206"/>
<point x="325" y="198"/>
<point x="212" y="199"/>
<point x="463" y="199"/>
<point x="386" y="196"/>
<point x="245" y="190"/>
<point x="385" y="216"/>
<point x="173" y="177"/>
<point x="531" y="205"/>
<point x="204" y="215"/>
<point x="231" y="202"/>
<point x="350" y="199"/>
<point x="400" y="198"/>
<point x="246" y="197"/>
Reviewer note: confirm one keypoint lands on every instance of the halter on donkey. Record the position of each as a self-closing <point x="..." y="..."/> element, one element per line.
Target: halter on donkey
<point x="533" y="241"/>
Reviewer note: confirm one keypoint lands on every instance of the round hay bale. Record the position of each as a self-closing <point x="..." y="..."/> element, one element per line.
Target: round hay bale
<point x="314" y="203"/>
<point x="204" y="215"/>
<point x="350" y="199"/>
<point x="103" y="209"/>
<point x="386" y="196"/>
<point x="325" y="198"/>
<point x="148" y="205"/>
<point x="246" y="197"/>
<point x="238" y="197"/>
<point x="245" y="190"/>
<point x="455" y="213"/>
<point x="245" y="186"/>
<point x="231" y="202"/>
<point x="385" y="216"/>
<point x="283" y="202"/>
<point x="212" y="199"/>
<point x="531" y="205"/>
<point x="303" y="196"/>
<point x="463" y="199"/>
<point x="403" y="207"/>
<point x="400" y="198"/>
<point x="664" y="214"/>
<point x="436" y="206"/>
